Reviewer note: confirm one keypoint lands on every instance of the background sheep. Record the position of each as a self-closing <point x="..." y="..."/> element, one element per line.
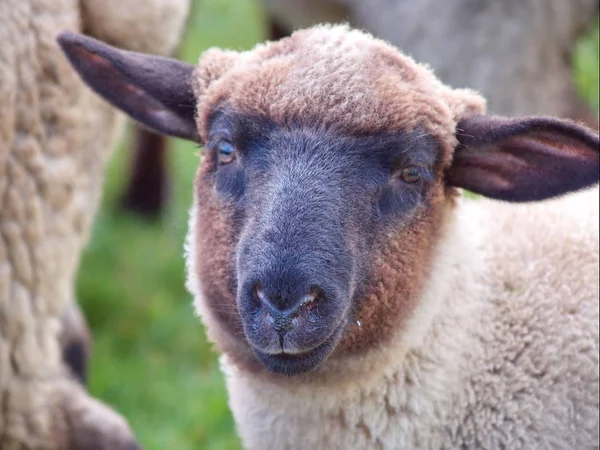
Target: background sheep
<point x="328" y="241"/>
<point x="517" y="54"/>
<point x="55" y="138"/>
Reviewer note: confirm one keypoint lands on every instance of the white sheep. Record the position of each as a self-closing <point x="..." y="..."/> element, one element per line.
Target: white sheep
<point x="358" y="301"/>
<point x="55" y="139"/>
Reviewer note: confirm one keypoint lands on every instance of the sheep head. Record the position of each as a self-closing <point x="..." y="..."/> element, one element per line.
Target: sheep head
<point x="331" y="165"/>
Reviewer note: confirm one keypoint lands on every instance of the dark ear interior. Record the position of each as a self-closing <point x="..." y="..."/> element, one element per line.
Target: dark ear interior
<point x="155" y="91"/>
<point x="526" y="159"/>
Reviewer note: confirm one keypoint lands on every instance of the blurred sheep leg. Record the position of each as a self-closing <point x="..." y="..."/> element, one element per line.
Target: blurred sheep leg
<point x="276" y="30"/>
<point x="75" y="342"/>
<point x="148" y="184"/>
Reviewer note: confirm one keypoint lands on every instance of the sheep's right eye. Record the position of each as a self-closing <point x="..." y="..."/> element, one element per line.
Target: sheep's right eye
<point x="226" y="152"/>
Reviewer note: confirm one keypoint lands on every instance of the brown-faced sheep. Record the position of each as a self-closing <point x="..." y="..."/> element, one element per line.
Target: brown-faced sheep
<point x="518" y="54"/>
<point x="358" y="300"/>
<point x="55" y="138"/>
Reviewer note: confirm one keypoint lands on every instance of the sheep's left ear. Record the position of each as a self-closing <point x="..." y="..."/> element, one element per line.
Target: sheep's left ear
<point x="155" y="91"/>
<point x="520" y="160"/>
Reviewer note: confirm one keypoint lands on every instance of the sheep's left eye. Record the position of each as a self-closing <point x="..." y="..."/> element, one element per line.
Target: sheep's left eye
<point x="226" y="152"/>
<point x="410" y="174"/>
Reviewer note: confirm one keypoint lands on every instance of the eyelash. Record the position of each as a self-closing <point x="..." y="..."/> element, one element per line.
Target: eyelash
<point x="214" y="145"/>
<point x="226" y="152"/>
<point x="411" y="174"/>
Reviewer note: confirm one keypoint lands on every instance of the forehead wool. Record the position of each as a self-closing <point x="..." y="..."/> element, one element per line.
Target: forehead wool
<point x="332" y="76"/>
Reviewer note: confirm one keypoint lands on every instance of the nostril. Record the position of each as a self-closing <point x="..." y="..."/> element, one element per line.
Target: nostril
<point x="254" y="300"/>
<point x="283" y="306"/>
<point x="261" y="296"/>
<point x="313" y="299"/>
<point x="309" y="302"/>
<point x="272" y="301"/>
<point x="284" y="311"/>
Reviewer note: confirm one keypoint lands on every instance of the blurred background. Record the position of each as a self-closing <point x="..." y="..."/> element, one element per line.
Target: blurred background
<point x="151" y="359"/>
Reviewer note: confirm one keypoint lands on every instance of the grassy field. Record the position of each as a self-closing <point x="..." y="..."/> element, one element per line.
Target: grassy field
<point x="151" y="358"/>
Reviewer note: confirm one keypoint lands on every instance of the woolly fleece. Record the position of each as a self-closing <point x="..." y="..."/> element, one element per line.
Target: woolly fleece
<point x="55" y="139"/>
<point x="502" y="351"/>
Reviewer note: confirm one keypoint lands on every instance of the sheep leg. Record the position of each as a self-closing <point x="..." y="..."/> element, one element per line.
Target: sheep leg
<point x="75" y="342"/>
<point x="148" y="186"/>
<point x="276" y="30"/>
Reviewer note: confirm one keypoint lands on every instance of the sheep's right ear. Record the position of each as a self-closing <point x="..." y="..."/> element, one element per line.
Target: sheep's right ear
<point x="155" y="91"/>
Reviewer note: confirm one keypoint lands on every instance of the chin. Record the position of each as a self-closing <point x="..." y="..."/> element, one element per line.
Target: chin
<point x="298" y="363"/>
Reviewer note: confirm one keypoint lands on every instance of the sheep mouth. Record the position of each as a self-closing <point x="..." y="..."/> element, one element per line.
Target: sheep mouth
<point x="297" y="363"/>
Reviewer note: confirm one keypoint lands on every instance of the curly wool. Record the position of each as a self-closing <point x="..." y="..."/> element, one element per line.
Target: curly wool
<point x="55" y="139"/>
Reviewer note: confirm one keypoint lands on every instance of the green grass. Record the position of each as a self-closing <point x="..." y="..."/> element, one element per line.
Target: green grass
<point x="586" y="66"/>
<point x="151" y="358"/>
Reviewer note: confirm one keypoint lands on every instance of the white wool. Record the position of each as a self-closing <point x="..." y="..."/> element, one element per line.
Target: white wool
<point x="504" y="341"/>
<point x="55" y="139"/>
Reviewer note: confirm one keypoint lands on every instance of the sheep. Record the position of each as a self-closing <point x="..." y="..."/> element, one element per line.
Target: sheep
<point x="358" y="300"/>
<point x="517" y="54"/>
<point x="55" y="139"/>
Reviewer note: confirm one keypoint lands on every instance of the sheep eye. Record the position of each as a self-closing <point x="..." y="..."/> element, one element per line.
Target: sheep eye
<point x="226" y="152"/>
<point x="410" y="174"/>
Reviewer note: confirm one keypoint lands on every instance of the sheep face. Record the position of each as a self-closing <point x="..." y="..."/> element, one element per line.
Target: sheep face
<point x="313" y="184"/>
<point x="299" y="221"/>
<point x="330" y="170"/>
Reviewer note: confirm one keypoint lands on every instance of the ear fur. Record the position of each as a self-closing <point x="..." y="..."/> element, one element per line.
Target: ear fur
<point x="526" y="159"/>
<point x="155" y="91"/>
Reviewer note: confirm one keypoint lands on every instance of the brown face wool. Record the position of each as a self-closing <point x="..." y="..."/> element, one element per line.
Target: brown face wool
<point x="336" y="77"/>
<point x="358" y="300"/>
<point x="55" y="140"/>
